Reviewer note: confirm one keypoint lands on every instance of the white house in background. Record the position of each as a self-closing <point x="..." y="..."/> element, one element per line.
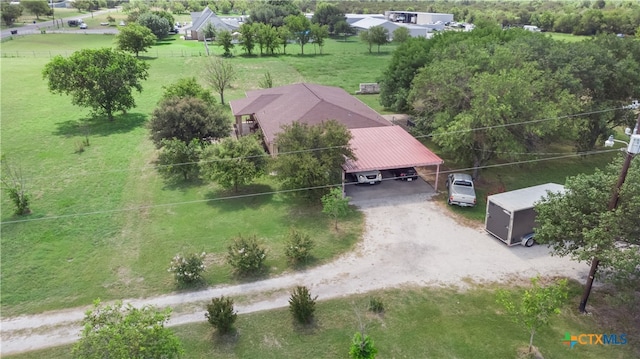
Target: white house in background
<point x="200" y="21"/>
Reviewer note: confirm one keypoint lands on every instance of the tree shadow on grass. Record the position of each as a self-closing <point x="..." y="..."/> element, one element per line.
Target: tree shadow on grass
<point x="310" y="262"/>
<point x="178" y="183"/>
<point x="225" y="343"/>
<point x="191" y="287"/>
<point x="92" y="126"/>
<point x="306" y="328"/>
<point x="147" y="58"/>
<point x="251" y="196"/>
<point x="165" y="41"/>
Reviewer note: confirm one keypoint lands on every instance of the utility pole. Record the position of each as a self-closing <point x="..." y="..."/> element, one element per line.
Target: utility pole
<point x="632" y="149"/>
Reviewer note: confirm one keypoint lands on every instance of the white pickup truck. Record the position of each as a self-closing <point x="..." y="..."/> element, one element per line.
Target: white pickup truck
<point x="461" y="190"/>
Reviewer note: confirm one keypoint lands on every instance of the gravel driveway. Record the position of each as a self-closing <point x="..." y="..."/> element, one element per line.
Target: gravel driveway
<point x="408" y="240"/>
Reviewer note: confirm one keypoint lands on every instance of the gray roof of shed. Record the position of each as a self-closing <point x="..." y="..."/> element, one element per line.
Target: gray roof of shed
<point x="524" y="198"/>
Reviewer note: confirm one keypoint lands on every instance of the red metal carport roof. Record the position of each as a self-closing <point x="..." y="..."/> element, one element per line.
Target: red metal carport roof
<point x="387" y="147"/>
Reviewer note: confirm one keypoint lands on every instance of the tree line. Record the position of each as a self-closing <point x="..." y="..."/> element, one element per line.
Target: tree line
<point x="481" y="95"/>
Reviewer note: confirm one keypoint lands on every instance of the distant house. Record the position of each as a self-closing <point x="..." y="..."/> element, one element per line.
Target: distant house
<point x="200" y="21"/>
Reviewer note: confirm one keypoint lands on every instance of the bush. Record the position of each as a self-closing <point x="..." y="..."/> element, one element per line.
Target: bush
<point x="188" y="270"/>
<point x="246" y="256"/>
<point x="15" y="185"/>
<point x="301" y="305"/>
<point x="362" y="347"/>
<point x="221" y="315"/>
<point x="376" y="305"/>
<point x="298" y="247"/>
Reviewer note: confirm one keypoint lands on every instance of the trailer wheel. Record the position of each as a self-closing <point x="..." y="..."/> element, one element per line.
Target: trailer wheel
<point x="529" y="242"/>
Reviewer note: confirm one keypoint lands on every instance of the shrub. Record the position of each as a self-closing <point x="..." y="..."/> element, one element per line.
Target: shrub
<point x="362" y="347"/>
<point x="246" y="256"/>
<point x="376" y="305"/>
<point x="15" y="184"/>
<point x="220" y="314"/>
<point x="301" y="305"/>
<point x="298" y="247"/>
<point x="188" y="270"/>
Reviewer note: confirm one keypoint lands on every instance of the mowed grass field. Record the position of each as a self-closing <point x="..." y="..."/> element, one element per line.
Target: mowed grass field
<point x="417" y="323"/>
<point x="104" y="224"/>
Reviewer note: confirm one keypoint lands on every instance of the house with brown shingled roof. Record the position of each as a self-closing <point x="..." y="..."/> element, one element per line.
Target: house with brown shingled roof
<point x="270" y="109"/>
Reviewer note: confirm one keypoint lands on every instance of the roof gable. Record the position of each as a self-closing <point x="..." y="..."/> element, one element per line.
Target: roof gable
<point x="308" y="103"/>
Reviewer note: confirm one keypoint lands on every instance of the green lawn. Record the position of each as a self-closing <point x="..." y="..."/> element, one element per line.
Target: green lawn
<point x="567" y="37"/>
<point x="417" y="323"/>
<point x="136" y="221"/>
<point x="69" y="261"/>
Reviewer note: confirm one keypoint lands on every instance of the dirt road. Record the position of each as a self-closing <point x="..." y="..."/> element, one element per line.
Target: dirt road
<point x="408" y="240"/>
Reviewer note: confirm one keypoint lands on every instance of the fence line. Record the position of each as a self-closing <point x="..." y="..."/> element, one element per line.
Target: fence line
<point x="66" y="53"/>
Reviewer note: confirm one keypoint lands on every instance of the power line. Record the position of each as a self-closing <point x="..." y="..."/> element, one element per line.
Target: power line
<point x="284" y="191"/>
<point x="332" y="147"/>
<point x="521" y="123"/>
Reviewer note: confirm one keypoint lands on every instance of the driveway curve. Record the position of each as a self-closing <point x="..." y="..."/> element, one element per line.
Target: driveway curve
<point x="408" y="240"/>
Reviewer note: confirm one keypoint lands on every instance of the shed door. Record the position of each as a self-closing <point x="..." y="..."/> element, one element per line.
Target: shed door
<point x="497" y="221"/>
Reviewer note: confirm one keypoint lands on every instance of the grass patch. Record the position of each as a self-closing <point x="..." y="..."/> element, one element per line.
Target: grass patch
<point x="417" y="323"/>
<point x="567" y="37"/>
<point x="139" y="221"/>
<point x="123" y="249"/>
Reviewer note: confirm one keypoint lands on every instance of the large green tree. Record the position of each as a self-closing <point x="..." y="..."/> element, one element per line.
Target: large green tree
<point x="118" y="331"/>
<point x="186" y="119"/>
<point x="273" y="11"/>
<point x="135" y="38"/>
<point x="310" y="157"/>
<point x="580" y="224"/>
<point x="188" y="87"/>
<point x="318" y="34"/>
<point x="481" y="116"/>
<point x="225" y="39"/>
<point x="329" y="15"/>
<point x="378" y="35"/>
<point x="344" y="29"/>
<point x="159" y="25"/>
<point x="300" y="28"/>
<point x="10" y="12"/>
<point x="233" y="162"/>
<point x="267" y="38"/>
<point x="37" y="7"/>
<point x="101" y="79"/>
<point x="178" y="159"/>
<point x="604" y="72"/>
<point x="406" y="60"/>
<point x="248" y="37"/>
<point x="401" y="35"/>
